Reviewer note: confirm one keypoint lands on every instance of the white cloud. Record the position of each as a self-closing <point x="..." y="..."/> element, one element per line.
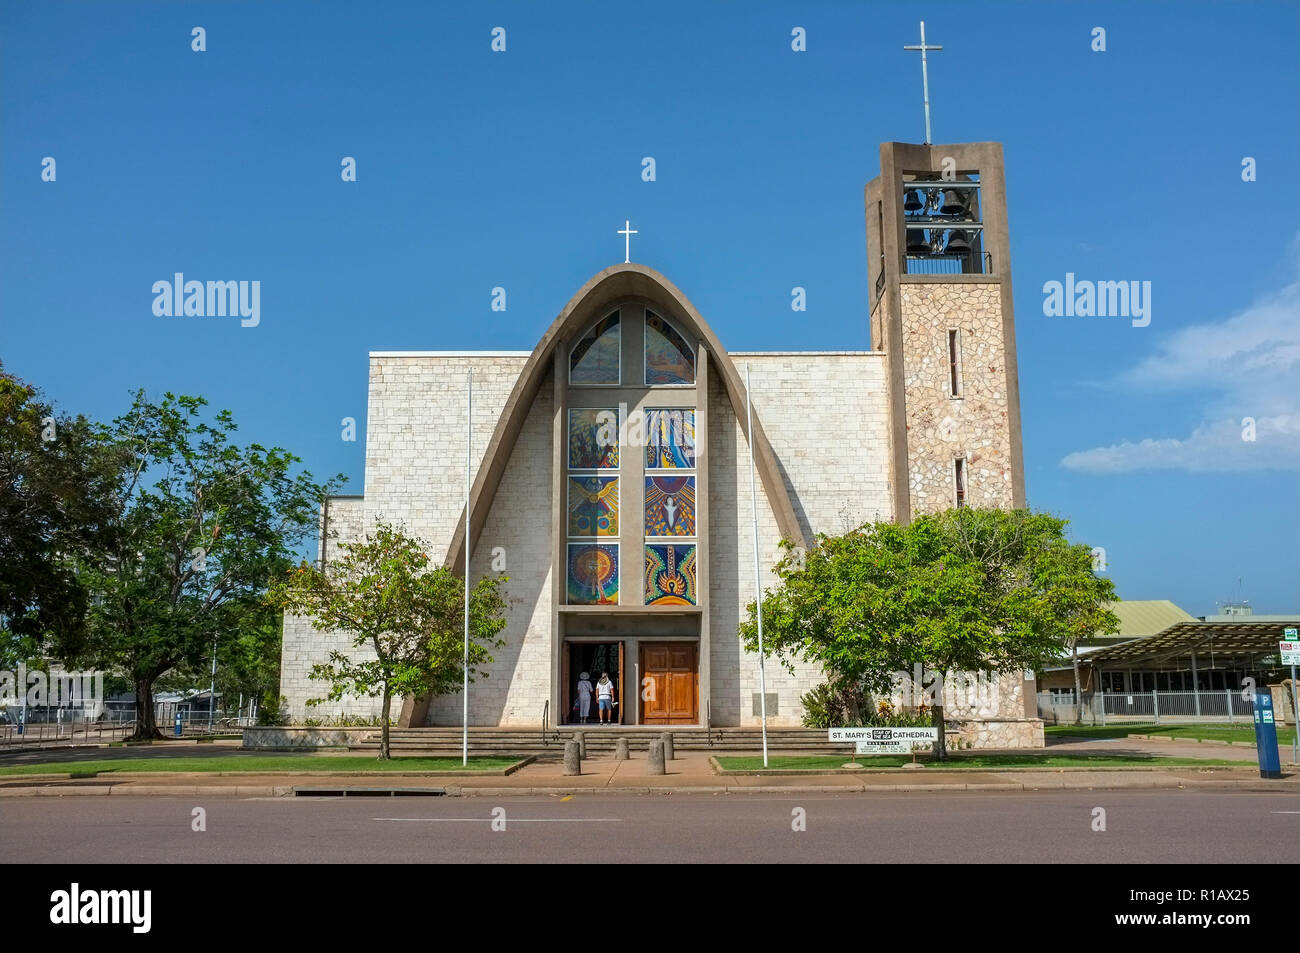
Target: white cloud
<point x="1216" y="446"/>
<point x="1246" y="366"/>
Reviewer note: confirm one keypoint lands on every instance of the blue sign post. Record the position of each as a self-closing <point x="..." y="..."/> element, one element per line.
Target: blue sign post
<point x="1270" y="765"/>
<point x="178" y="731"/>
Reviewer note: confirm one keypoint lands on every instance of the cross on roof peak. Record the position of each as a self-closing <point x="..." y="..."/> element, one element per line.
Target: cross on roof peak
<point x="627" y="231"/>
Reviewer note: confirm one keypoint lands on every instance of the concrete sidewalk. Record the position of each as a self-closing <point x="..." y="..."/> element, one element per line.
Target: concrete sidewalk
<point x="690" y="773"/>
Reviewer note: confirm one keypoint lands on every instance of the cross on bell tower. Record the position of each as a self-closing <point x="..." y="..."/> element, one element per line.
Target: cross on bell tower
<point x="925" y="78"/>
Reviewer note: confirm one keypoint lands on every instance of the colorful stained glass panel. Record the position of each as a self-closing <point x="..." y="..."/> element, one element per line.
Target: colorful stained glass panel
<point x="670" y="506"/>
<point x="595" y="358"/>
<point x="593" y="574"/>
<point x="669" y="359"/>
<point x="593" y="439"/>
<point x="670" y="575"/>
<point x="593" y="506"/>
<point x="670" y="439"/>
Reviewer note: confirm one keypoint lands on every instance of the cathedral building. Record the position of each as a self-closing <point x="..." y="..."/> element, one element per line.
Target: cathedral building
<point x="611" y="475"/>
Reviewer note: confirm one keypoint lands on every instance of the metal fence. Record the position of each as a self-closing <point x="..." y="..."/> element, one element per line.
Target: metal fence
<point x="948" y="264"/>
<point x="35" y="726"/>
<point x="1100" y="708"/>
<point x="70" y="730"/>
<point x="936" y="264"/>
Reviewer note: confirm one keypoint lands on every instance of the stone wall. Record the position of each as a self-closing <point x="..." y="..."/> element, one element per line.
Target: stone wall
<point x="826" y="417"/>
<point x="1016" y="733"/>
<point x="304" y="646"/>
<point x="988" y="711"/>
<point x="294" y="739"/>
<point x="941" y="427"/>
<point x="342" y="521"/>
<point x="415" y="477"/>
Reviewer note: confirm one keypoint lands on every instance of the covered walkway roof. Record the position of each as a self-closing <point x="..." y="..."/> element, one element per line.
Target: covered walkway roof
<point x="1232" y="642"/>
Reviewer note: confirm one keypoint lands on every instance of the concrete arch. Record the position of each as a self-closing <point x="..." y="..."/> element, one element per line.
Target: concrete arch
<point x="597" y="295"/>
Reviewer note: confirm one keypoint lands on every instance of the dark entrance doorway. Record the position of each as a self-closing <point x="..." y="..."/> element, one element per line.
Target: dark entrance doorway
<point x="592" y="658"/>
<point x="671" y="683"/>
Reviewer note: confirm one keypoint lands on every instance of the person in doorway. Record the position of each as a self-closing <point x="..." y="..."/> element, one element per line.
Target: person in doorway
<point x="584" y="696"/>
<point x="605" y="698"/>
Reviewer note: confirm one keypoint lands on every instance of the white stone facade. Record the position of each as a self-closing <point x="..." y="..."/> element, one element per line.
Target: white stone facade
<point x="415" y="477"/>
<point x="824" y="413"/>
<point x="827" y="417"/>
<point x="827" y="420"/>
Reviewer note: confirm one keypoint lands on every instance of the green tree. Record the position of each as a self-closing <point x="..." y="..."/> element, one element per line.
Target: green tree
<point x="411" y="617"/>
<point x="967" y="590"/>
<point x="57" y="487"/>
<point x="203" y="527"/>
<point x="248" y="663"/>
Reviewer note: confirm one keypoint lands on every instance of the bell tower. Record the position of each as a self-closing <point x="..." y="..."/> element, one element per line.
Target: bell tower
<point x="941" y="310"/>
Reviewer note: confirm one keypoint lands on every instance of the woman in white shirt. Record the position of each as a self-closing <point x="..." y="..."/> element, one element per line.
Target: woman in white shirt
<point x="584" y="696"/>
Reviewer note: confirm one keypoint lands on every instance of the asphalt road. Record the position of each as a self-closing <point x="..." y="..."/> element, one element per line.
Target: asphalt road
<point x="1141" y="827"/>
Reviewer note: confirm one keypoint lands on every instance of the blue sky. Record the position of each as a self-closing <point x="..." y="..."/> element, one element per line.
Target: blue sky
<point x="479" y="169"/>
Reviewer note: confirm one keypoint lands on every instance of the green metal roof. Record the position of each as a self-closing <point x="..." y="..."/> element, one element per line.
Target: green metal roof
<point x="1144" y="617"/>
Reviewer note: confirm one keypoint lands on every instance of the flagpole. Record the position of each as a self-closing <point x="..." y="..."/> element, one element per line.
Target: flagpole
<point x="469" y="452"/>
<point x="758" y="578"/>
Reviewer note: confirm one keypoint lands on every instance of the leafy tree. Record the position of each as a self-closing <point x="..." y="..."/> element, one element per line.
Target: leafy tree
<point x="57" y="488"/>
<point x="382" y="591"/>
<point x="967" y="590"/>
<point x="202" y="528"/>
<point x="248" y="663"/>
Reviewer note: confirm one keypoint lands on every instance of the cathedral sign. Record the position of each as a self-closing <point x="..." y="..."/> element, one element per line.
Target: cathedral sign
<point x="874" y="740"/>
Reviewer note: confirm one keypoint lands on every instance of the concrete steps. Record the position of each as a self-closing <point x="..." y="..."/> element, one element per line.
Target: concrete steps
<point x="504" y="741"/>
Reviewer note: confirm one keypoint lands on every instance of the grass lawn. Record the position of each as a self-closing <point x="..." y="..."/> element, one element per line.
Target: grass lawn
<point x="1211" y="732"/>
<point x="287" y="764"/>
<point x="829" y="762"/>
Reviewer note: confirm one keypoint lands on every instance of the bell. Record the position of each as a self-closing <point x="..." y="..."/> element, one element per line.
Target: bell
<point x="916" y="243"/>
<point x="912" y="201"/>
<point x="953" y="203"/>
<point x="958" y="243"/>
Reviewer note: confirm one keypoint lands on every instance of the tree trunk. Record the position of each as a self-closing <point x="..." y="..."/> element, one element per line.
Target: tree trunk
<point x="383" y="734"/>
<point x="1078" y="691"/>
<point x="936" y="719"/>
<point x="146" y="725"/>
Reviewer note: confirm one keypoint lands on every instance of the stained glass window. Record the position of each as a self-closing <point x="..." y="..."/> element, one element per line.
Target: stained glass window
<point x="668" y="358"/>
<point x="593" y="574"/>
<point x="593" y="439"/>
<point x="593" y="506"/>
<point x="595" y="359"/>
<point x="670" y="439"/>
<point x="670" y="575"/>
<point x="670" y="506"/>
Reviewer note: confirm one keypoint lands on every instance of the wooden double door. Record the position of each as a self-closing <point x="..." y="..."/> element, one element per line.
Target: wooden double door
<point x="670" y="683"/>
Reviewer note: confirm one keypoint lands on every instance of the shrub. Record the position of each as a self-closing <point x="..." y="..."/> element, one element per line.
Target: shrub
<point x="832" y="706"/>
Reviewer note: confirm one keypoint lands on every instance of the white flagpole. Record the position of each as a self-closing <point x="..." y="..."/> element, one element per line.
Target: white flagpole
<point x="758" y="578"/>
<point x="469" y="451"/>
